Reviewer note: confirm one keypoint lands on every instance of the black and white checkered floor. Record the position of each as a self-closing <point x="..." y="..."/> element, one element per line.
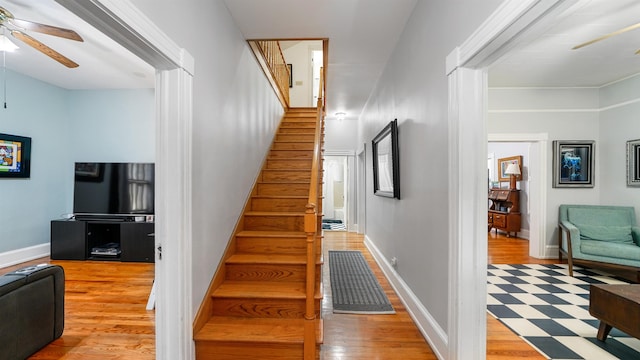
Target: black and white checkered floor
<point x="550" y="310"/>
<point x="334" y="225"/>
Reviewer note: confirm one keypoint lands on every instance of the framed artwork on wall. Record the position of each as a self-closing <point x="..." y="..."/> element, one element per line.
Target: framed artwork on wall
<point x="573" y="163"/>
<point x="15" y="156"/>
<point x="633" y="162"/>
<point x="386" y="166"/>
<point x="502" y="167"/>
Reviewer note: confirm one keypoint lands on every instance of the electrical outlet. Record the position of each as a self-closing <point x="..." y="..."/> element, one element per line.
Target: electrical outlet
<point x="394" y="261"/>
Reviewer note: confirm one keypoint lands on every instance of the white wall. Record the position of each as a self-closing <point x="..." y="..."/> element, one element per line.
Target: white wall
<point x="299" y="55"/>
<point x="414" y="89"/>
<point x="235" y="114"/>
<point x="341" y="135"/>
<point x="65" y="126"/>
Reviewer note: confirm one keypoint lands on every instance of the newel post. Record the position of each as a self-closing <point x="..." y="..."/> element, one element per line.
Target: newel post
<point x="310" y="224"/>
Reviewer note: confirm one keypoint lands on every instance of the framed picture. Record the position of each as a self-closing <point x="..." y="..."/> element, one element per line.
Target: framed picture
<point x="633" y="162"/>
<point x="502" y="167"/>
<point x="290" y="67"/>
<point x="15" y="156"/>
<point x="386" y="166"/>
<point x="573" y="163"/>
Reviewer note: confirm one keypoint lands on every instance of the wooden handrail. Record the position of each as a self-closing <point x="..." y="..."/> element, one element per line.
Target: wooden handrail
<point x="311" y="230"/>
<point x="274" y="59"/>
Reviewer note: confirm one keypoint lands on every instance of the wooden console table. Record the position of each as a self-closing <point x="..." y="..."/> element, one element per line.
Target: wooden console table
<point x="616" y="305"/>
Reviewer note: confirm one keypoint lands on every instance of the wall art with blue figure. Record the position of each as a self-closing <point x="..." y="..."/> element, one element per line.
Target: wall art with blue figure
<point x="573" y="163"/>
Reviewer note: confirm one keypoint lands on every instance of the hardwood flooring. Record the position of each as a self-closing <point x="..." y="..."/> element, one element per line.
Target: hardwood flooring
<point x="106" y="316"/>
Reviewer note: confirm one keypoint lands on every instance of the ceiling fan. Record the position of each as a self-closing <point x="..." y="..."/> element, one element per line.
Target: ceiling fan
<point x="17" y="28"/>
<point x="603" y="37"/>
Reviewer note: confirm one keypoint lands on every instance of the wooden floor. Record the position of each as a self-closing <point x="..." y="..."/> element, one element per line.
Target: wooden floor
<point x="106" y="317"/>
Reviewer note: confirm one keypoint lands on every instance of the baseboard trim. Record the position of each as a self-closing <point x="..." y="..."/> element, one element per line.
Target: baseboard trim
<point x="18" y="256"/>
<point x="551" y="252"/>
<point x="430" y="329"/>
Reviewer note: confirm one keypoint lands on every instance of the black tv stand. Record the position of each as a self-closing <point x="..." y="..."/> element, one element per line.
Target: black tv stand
<point x="98" y="238"/>
<point x="106" y="218"/>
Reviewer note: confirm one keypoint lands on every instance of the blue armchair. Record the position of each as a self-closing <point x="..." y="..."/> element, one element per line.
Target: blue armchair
<point x="599" y="236"/>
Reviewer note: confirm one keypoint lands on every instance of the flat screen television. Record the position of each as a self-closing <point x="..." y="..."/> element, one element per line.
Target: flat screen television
<point x="113" y="189"/>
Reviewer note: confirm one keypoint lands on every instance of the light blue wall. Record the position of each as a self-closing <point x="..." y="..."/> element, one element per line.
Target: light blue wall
<point x="65" y="126"/>
<point x="37" y="110"/>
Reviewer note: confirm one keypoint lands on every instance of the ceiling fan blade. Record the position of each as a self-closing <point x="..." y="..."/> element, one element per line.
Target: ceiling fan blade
<point x="46" y="29"/>
<point x="43" y="49"/>
<point x="617" y="32"/>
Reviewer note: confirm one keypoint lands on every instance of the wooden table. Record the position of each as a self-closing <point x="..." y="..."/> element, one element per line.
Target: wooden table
<point x="616" y="306"/>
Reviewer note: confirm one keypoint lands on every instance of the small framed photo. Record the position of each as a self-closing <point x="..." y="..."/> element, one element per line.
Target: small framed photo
<point x="573" y="163"/>
<point x="633" y="162"/>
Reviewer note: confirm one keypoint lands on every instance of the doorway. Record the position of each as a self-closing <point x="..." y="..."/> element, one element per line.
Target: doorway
<point x="174" y="82"/>
<point x="335" y="190"/>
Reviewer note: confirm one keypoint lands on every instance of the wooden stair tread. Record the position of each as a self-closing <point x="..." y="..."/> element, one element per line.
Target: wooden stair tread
<point x="240" y="258"/>
<point x="274" y="234"/>
<point x="280" y="197"/>
<point x="256" y="330"/>
<point x="261" y="290"/>
<point x="274" y="213"/>
<point x="279" y="259"/>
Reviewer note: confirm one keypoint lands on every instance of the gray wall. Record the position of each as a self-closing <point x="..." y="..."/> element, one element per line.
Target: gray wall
<point x="619" y="123"/>
<point x="235" y="115"/>
<point x="414" y="89"/>
<point x="607" y="115"/>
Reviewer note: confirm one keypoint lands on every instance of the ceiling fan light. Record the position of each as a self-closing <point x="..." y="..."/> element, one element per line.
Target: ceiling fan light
<point x="6" y="44"/>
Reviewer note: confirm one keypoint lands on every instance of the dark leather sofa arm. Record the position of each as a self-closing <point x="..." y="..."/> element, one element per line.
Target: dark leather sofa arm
<point x="31" y="309"/>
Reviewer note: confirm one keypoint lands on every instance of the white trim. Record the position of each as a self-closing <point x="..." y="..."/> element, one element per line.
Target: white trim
<point x="18" y="256"/>
<point x="538" y="186"/>
<point x="428" y="326"/>
<point x="468" y="94"/>
<point x="127" y="25"/>
<point x="174" y="328"/>
<point x="124" y="23"/>
<point x="467" y="215"/>
<point x="551" y="252"/>
<point x="339" y="153"/>
<point x="543" y="111"/>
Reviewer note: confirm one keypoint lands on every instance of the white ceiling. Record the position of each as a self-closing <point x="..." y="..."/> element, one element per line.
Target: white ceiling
<point x="362" y="35"/>
<point x="104" y="64"/>
<point x="548" y="61"/>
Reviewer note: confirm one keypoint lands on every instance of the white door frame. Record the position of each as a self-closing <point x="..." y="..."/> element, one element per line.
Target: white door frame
<point x="361" y="188"/>
<point x="538" y="184"/>
<point x="349" y="203"/>
<point x="466" y="68"/>
<point x="125" y="24"/>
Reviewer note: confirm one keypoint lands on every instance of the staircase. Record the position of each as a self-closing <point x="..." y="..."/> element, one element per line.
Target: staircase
<point x="256" y="307"/>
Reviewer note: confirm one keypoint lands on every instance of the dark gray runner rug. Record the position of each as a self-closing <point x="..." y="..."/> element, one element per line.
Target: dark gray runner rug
<point x="354" y="287"/>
